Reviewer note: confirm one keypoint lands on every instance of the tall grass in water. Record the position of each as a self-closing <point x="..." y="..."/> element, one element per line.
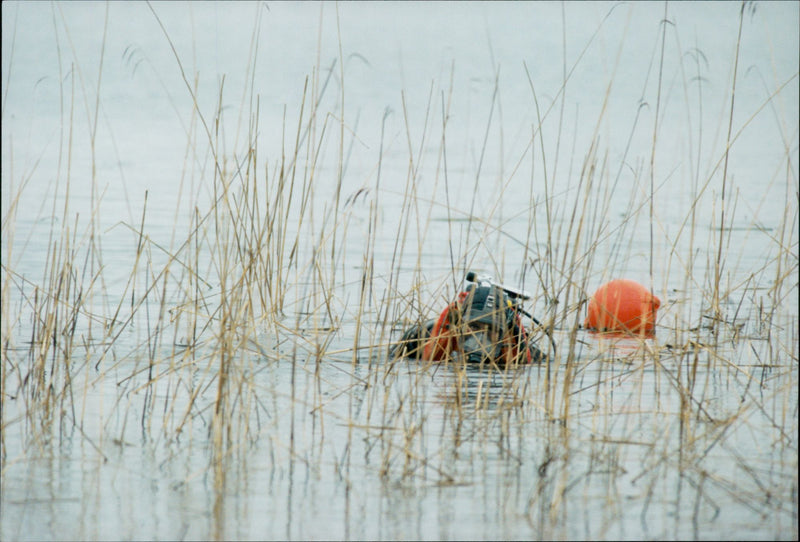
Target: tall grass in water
<point x="261" y="279"/>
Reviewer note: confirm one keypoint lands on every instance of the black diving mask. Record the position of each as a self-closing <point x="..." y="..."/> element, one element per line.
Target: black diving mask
<point x="481" y="345"/>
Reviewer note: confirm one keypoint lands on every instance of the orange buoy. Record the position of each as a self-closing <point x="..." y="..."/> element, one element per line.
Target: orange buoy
<point x="622" y="305"/>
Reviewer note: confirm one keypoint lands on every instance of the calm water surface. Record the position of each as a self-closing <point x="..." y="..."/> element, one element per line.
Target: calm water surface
<point x="448" y="137"/>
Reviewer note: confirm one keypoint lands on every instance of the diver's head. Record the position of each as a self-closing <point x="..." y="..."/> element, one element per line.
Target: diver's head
<point x="484" y="322"/>
<point x="481" y="342"/>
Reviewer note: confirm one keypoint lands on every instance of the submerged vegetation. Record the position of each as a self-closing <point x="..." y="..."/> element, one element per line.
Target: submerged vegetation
<point x="258" y="323"/>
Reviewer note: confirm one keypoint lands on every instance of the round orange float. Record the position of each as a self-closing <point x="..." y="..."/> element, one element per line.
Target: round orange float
<point x="622" y="305"/>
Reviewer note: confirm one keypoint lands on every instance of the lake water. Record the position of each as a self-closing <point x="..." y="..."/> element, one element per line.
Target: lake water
<point x="217" y="216"/>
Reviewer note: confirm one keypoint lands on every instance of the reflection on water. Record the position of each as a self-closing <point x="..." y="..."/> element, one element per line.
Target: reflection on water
<point x="212" y="237"/>
<point x="428" y="453"/>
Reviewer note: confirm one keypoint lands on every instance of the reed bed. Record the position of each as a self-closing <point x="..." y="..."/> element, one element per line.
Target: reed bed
<point x="263" y="327"/>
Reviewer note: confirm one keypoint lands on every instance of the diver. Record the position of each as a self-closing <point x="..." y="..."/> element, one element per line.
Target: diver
<point x="483" y="325"/>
